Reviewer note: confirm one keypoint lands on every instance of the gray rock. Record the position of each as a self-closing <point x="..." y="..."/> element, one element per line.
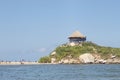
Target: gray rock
<point x="87" y="58"/>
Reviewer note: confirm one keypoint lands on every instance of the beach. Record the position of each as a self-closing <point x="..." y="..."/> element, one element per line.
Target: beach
<point x="22" y="63"/>
<point x="18" y="63"/>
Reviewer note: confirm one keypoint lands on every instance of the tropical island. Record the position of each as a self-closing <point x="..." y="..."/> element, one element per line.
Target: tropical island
<point x="80" y="51"/>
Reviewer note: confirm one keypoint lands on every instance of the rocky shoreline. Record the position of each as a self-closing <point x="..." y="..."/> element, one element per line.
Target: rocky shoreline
<point x="87" y="58"/>
<point x="86" y="53"/>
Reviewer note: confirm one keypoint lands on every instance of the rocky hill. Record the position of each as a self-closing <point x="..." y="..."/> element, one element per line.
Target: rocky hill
<point x="86" y="52"/>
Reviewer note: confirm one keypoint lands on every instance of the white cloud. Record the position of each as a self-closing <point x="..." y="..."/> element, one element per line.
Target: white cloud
<point x="42" y="50"/>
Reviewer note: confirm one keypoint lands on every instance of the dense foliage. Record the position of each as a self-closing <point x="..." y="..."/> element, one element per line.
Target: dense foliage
<point x="87" y="47"/>
<point x="45" y="59"/>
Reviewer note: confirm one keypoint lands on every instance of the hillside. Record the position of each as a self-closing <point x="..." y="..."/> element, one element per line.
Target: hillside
<point x="71" y="54"/>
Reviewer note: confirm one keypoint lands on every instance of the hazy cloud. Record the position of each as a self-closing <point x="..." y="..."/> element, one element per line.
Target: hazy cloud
<point x="42" y="50"/>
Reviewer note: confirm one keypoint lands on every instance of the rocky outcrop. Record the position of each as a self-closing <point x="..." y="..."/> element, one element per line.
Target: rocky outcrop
<point x="113" y="61"/>
<point x="69" y="61"/>
<point x="53" y="60"/>
<point x="87" y="58"/>
<point x="83" y="52"/>
<point x="94" y="58"/>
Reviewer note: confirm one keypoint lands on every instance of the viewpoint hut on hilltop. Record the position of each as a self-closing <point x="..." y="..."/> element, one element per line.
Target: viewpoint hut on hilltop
<point x="76" y="38"/>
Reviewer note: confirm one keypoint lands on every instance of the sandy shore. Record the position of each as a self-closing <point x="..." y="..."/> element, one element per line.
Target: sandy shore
<point x="17" y="63"/>
<point x="22" y="63"/>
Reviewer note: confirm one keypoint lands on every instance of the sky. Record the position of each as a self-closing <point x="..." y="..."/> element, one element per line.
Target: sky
<point x="30" y="29"/>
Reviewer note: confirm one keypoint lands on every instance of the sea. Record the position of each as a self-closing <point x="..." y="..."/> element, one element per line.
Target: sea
<point x="60" y="72"/>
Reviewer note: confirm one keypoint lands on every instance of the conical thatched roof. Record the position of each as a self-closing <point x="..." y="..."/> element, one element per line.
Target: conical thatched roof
<point x="76" y="34"/>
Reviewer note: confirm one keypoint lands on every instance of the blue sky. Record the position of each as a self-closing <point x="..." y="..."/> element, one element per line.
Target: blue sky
<point x="30" y="29"/>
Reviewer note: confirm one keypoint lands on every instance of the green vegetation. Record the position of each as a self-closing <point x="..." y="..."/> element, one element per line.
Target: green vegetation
<point x="45" y="59"/>
<point x="105" y="52"/>
<point x="87" y="47"/>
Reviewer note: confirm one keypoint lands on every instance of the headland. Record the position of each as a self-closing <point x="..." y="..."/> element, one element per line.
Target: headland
<point x="80" y="51"/>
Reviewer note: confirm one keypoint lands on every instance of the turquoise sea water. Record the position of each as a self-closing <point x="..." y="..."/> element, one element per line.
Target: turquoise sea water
<point x="60" y="72"/>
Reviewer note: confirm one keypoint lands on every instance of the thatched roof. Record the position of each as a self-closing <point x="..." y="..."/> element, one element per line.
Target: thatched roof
<point x="76" y="34"/>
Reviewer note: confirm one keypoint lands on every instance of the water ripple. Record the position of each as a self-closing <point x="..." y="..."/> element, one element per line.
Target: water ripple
<point x="60" y="72"/>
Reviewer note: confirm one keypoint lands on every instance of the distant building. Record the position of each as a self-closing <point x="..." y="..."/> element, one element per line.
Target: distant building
<point x="76" y="38"/>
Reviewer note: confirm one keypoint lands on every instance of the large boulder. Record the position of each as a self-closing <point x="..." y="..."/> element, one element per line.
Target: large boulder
<point x="87" y="58"/>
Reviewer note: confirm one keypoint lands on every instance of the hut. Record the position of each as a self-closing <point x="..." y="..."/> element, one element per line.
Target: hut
<point x="76" y="38"/>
